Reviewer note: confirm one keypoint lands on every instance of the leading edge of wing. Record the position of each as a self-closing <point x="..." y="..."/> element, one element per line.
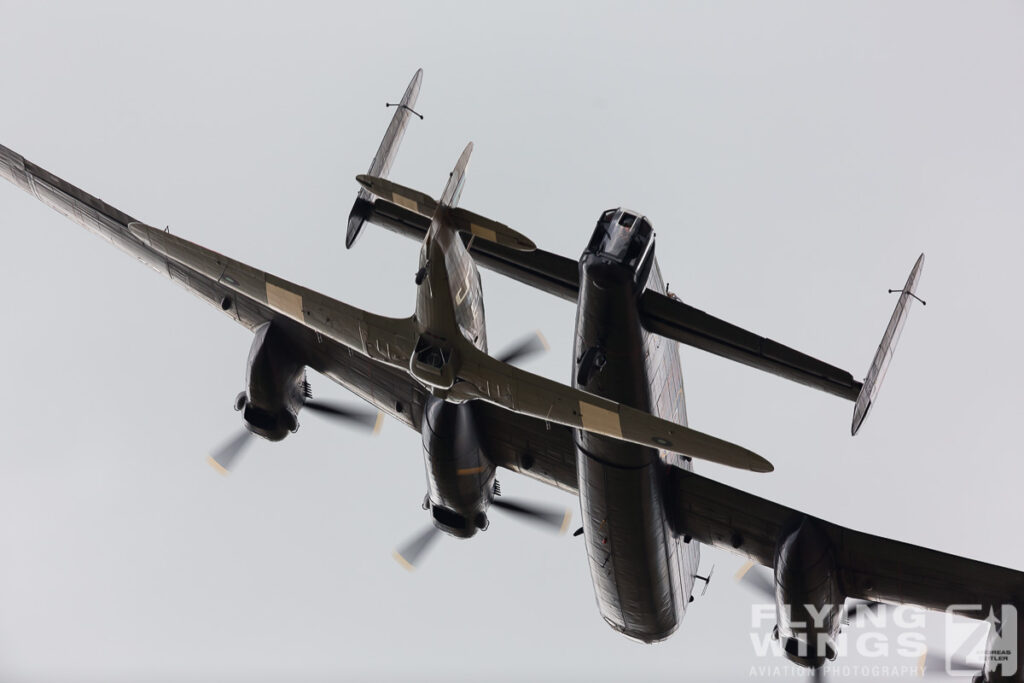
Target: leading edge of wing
<point x="389" y="340"/>
<point x="375" y="336"/>
<point x="378" y="383"/>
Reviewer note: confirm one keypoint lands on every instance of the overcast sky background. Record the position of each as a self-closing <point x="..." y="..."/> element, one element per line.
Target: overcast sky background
<point x="794" y="158"/>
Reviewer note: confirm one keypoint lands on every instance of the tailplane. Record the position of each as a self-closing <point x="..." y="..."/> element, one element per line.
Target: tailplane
<point x="405" y="197"/>
<point x="455" y="218"/>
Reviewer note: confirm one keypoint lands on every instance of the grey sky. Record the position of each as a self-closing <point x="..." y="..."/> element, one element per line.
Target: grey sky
<point x="793" y="157"/>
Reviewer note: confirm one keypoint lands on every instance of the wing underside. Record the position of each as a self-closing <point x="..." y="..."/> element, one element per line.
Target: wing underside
<point x="870" y="567"/>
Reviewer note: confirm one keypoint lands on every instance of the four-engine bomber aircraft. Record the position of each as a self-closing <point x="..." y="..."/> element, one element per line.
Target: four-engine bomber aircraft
<point x="618" y="438"/>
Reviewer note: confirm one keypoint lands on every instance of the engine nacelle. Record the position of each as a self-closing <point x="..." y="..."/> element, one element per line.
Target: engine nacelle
<point x="275" y="380"/>
<point x="808" y="602"/>
<point x="460" y="478"/>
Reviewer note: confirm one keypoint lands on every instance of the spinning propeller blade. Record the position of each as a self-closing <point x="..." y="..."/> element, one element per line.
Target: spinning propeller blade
<point x="855" y="607"/>
<point x="556" y="520"/>
<point x="935" y="664"/>
<point x="409" y="554"/>
<point x="526" y="347"/>
<point x="757" y="580"/>
<point x="355" y="417"/>
<point x="227" y="455"/>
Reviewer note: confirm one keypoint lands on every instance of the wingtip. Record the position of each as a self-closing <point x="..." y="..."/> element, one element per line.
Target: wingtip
<point x="757" y="463"/>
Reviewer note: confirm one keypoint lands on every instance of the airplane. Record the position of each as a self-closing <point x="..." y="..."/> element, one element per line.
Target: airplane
<point x="618" y="437"/>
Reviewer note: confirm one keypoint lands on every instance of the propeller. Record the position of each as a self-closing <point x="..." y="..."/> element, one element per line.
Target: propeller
<point x="528" y="346"/>
<point x="933" y="665"/>
<point x="227" y="455"/>
<point x="765" y="586"/>
<point x="851" y="611"/>
<point x="549" y="518"/>
<point x="409" y="554"/>
<point x="759" y="581"/>
<point x="355" y="417"/>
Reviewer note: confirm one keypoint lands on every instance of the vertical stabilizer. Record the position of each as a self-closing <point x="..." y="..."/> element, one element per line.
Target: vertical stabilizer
<point x="876" y="373"/>
<point x="385" y="156"/>
<point x="453" y="190"/>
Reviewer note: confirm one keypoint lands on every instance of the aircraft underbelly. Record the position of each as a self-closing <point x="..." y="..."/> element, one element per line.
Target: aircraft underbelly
<point x="642" y="574"/>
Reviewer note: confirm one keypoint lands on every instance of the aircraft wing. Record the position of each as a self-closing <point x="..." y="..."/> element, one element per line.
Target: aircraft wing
<point x="354" y="348"/>
<point x="870" y="567"/>
<point x="505" y="385"/>
<point x="541" y="450"/>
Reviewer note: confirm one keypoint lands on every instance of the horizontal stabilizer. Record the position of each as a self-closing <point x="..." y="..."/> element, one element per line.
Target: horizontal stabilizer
<point x="407" y="198"/>
<point x="489" y="230"/>
<point x="457" y="218"/>
<point x="548" y="272"/>
<point x="876" y="373"/>
<point x="673" y="319"/>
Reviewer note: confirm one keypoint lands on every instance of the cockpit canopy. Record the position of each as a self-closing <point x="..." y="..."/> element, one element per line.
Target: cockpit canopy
<point x="624" y="237"/>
